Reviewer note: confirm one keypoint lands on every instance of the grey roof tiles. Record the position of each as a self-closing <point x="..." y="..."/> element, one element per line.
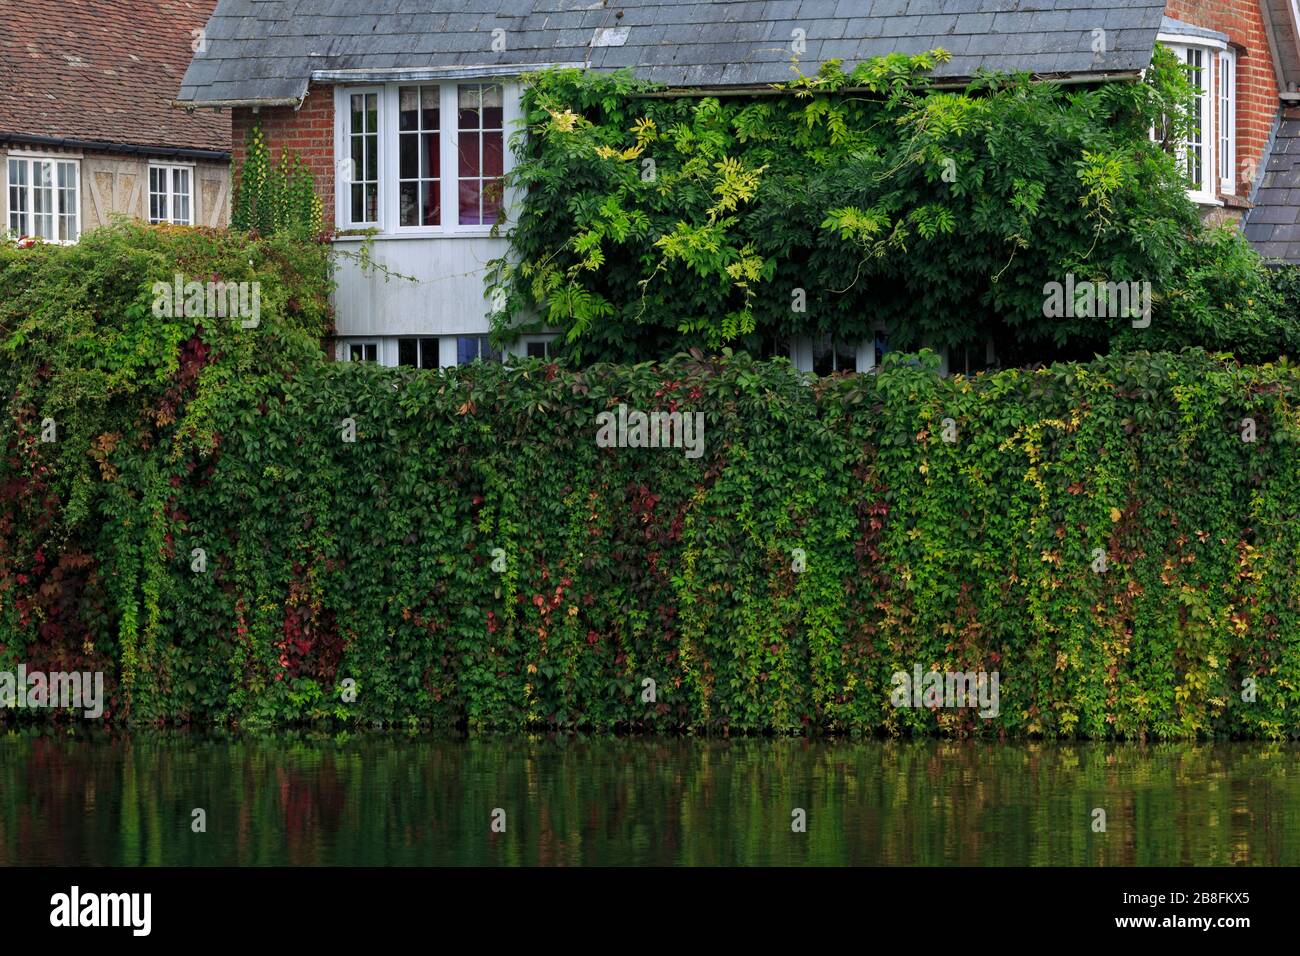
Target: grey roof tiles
<point x="1273" y="225"/>
<point x="268" y="49"/>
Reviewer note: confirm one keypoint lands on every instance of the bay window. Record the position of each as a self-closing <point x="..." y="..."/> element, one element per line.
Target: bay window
<point x="1208" y="155"/>
<point x="423" y="158"/>
<point x="44" y="195"/>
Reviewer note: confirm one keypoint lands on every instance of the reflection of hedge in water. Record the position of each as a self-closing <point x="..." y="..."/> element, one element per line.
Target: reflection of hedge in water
<point x="372" y="560"/>
<point x="385" y="800"/>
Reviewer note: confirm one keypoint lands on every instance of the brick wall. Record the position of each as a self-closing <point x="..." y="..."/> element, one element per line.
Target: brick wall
<point x="1257" y="92"/>
<point x="308" y="131"/>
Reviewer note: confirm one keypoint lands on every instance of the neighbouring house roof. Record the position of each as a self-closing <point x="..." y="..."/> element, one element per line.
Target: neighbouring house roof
<point x="102" y="71"/>
<point x="1273" y="225"/>
<point x="265" y="51"/>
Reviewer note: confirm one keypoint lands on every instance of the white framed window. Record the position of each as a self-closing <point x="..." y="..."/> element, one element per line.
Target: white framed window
<point x="360" y="158"/>
<point x="419" y="352"/>
<point x="360" y="350"/>
<point x="1227" y="120"/>
<point x="1202" y="153"/>
<point x="538" y="346"/>
<point x="826" y="355"/>
<point x="475" y="348"/>
<point x="171" y="194"/>
<point x="44" y="198"/>
<point x="423" y="158"/>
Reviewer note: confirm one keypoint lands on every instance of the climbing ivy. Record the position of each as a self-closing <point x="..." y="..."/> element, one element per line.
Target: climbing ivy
<point x="272" y="198"/>
<point x="474" y="558"/>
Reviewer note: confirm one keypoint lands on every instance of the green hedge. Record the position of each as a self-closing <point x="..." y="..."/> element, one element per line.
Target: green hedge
<point x="373" y="560"/>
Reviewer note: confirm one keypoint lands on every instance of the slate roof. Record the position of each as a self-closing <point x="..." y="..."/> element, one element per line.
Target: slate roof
<point x="103" y="71"/>
<point x="1273" y="225"/>
<point x="267" y="50"/>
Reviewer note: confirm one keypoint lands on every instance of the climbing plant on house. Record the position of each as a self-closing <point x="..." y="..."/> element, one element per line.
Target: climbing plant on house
<point x="857" y="198"/>
<point x="274" y="197"/>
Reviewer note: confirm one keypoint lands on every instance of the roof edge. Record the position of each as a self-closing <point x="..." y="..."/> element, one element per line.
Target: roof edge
<point x="64" y="142"/>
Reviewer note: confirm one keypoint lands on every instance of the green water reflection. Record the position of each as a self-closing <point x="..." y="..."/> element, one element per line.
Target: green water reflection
<point x="377" y="799"/>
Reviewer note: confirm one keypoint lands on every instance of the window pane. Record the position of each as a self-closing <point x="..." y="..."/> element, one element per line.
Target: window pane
<point x="430" y="161"/>
<point x="428" y="353"/>
<point x="429" y="106"/>
<point x="470" y="164"/>
<point x="471" y="348"/>
<point x="1195" y="158"/>
<point x="537" y="350"/>
<point x="409" y="203"/>
<point x="43" y="199"/>
<point x="493" y="153"/>
<point x="408" y="151"/>
<point x="372" y="158"/>
<point x="493" y="115"/>
<point x="468" y="100"/>
<point x="491" y="201"/>
<point x="471" y="194"/>
<point x="431" y="203"/>
<point x="18" y="210"/>
<point x="372" y="352"/>
<point x="846" y="358"/>
<point x="358" y="203"/>
<point x="408" y="352"/>
<point x="408" y="109"/>
<point x="181" y="201"/>
<point x="466" y="350"/>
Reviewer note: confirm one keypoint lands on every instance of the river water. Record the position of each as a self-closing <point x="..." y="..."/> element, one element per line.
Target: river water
<point x="379" y="799"/>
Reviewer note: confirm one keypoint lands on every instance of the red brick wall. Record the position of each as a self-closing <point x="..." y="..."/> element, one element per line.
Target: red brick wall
<point x="1257" y="92"/>
<point x="308" y="131"/>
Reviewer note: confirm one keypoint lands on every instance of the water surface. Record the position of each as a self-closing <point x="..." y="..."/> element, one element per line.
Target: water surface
<point x="409" y="800"/>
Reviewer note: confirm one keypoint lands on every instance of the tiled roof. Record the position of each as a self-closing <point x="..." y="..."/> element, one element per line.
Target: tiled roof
<point x="263" y="50"/>
<point x="103" y="71"/>
<point x="1273" y="225"/>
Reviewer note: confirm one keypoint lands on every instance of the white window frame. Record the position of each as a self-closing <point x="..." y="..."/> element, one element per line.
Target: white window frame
<point x="344" y="353"/>
<point x="1207" y="193"/>
<point x="170" y="170"/>
<point x="1226" y="99"/>
<point x="343" y="156"/>
<point x="30" y="160"/>
<point x="389" y="201"/>
<point x="547" y="341"/>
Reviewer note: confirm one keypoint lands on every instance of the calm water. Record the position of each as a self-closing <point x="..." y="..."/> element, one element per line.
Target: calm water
<point x="376" y="799"/>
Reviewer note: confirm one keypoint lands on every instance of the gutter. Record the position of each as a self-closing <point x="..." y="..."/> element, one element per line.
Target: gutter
<point x="191" y="105"/>
<point x="24" y="139"/>
<point x="416" y="73"/>
<point x="947" y="83"/>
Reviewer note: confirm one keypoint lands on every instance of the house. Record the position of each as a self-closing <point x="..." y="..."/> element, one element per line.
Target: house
<point x="87" y="129"/>
<point x="402" y="109"/>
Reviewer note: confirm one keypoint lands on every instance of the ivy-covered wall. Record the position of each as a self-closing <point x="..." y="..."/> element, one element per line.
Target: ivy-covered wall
<point x="238" y="530"/>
